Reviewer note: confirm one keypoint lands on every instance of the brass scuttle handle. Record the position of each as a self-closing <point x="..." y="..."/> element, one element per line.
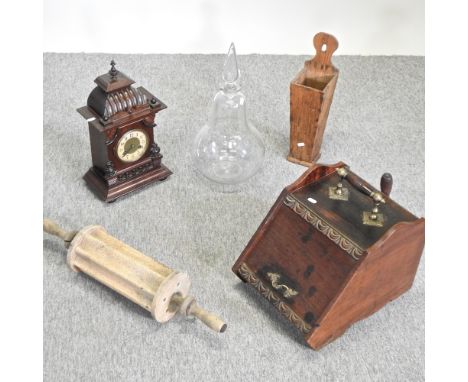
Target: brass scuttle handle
<point x="374" y="217"/>
<point x="284" y="289"/>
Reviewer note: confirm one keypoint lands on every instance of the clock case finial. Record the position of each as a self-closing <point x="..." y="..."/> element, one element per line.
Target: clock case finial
<point x="113" y="108"/>
<point x="113" y="72"/>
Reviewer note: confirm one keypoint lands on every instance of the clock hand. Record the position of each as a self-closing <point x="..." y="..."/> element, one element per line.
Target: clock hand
<point x="136" y="148"/>
<point x="127" y="151"/>
<point x="132" y="148"/>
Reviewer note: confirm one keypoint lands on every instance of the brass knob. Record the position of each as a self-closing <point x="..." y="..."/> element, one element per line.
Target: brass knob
<point x="339" y="192"/>
<point x="377" y="197"/>
<point x="341" y="171"/>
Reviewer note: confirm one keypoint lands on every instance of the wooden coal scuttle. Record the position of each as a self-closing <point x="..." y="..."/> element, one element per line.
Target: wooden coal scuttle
<point x="332" y="251"/>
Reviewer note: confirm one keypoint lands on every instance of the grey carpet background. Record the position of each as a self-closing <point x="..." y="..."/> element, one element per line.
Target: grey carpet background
<point x="376" y="124"/>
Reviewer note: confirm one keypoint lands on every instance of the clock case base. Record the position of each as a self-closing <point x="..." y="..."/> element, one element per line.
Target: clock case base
<point x="110" y="193"/>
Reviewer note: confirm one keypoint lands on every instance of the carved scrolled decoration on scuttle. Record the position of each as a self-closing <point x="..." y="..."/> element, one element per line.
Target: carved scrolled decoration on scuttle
<point x="337" y="237"/>
<point x="251" y="278"/>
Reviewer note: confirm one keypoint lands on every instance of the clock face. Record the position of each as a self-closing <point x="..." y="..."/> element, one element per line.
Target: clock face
<point x="132" y="145"/>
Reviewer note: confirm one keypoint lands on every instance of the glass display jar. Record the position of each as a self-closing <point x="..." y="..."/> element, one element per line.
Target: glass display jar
<point x="228" y="149"/>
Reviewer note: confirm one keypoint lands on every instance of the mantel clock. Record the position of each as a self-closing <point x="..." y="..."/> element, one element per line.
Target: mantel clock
<point x="121" y="123"/>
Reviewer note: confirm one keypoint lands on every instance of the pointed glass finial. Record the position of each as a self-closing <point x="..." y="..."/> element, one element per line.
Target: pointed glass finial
<point x="113" y="72"/>
<point x="231" y="70"/>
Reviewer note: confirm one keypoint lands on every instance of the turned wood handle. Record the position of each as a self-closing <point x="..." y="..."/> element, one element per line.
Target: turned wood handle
<point x="359" y="184"/>
<point x="365" y="188"/>
<point x="53" y="228"/>
<point x="325" y="45"/>
<point x="386" y="183"/>
<point x="208" y="318"/>
<point x="188" y="307"/>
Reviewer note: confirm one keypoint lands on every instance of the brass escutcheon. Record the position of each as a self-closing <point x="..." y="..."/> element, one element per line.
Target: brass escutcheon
<point x="373" y="219"/>
<point x="338" y="193"/>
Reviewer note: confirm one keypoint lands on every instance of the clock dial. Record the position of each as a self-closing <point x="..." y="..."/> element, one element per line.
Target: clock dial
<point x="132" y="145"/>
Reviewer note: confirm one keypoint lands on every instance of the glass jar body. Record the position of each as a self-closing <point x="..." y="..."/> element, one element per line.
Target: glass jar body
<point x="228" y="148"/>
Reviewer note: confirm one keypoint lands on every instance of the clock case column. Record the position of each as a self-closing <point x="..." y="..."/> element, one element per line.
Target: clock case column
<point x="114" y="107"/>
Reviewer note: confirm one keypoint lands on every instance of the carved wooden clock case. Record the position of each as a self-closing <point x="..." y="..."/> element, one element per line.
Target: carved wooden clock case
<point x="121" y="123"/>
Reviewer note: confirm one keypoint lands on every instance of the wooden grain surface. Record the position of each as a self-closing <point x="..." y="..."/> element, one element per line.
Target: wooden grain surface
<point x="311" y="95"/>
